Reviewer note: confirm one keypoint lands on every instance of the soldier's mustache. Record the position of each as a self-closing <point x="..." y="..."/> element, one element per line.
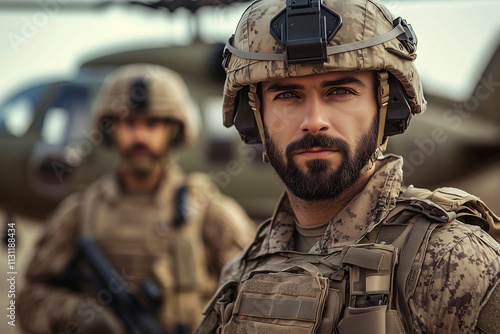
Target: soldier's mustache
<point x="317" y="141"/>
<point x="140" y="148"/>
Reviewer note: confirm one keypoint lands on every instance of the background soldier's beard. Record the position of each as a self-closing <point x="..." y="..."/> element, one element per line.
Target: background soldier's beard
<point x="319" y="181"/>
<point x="140" y="167"/>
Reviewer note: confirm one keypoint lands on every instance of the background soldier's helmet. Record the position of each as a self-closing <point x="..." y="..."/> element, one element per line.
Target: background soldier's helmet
<point x="276" y="39"/>
<point x="147" y="89"/>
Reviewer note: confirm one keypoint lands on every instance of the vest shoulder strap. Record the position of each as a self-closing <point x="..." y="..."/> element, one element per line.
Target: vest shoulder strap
<point x="468" y="208"/>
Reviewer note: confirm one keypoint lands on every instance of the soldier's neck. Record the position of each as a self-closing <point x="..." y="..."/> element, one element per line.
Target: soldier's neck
<point x="309" y="213"/>
<point x="133" y="183"/>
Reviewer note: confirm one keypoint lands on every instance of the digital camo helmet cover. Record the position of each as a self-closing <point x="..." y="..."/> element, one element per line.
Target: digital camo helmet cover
<point x="148" y="89"/>
<point x="357" y="35"/>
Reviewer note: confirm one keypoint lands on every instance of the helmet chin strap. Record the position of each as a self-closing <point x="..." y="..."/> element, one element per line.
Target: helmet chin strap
<point x="254" y="103"/>
<point x="383" y="101"/>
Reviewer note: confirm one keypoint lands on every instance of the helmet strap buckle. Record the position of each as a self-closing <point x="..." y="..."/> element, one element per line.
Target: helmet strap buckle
<point x="226" y="54"/>
<point x="254" y="103"/>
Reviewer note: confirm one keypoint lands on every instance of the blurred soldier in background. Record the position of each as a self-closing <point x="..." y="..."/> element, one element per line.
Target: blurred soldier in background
<point x="349" y="249"/>
<point x="153" y="222"/>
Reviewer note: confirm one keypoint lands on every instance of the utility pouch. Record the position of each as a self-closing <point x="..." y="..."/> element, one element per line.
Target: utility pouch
<point x="374" y="319"/>
<point x="364" y="320"/>
<point x="289" y="299"/>
<point x="218" y="308"/>
<point x="371" y="269"/>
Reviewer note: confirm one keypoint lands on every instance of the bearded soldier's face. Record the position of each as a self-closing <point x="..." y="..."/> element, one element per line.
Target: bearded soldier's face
<point x="320" y="130"/>
<point x="141" y="142"/>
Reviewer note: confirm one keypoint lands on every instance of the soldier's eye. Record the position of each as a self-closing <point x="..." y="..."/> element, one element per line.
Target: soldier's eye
<point x="285" y="96"/>
<point x="340" y="91"/>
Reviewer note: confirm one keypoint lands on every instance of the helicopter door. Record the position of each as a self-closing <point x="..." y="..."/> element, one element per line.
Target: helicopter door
<point x="65" y="118"/>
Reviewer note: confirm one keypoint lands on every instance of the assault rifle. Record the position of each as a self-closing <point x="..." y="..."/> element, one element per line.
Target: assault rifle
<point x="103" y="277"/>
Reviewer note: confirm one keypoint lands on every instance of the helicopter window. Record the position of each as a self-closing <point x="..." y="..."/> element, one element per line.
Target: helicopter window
<point x="54" y="126"/>
<point x="17" y="113"/>
<point x="67" y="115"/>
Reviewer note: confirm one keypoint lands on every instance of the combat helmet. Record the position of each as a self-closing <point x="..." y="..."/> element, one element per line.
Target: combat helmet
<point x="149" y="89"/>
<point x="276" y="39"/>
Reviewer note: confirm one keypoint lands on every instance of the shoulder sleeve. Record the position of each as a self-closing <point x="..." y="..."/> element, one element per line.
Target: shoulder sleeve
<point x="44" y="307"/>
<point x="460" y="270"/>
<point x="227" y="229"/>
<point x="57" y="244"/>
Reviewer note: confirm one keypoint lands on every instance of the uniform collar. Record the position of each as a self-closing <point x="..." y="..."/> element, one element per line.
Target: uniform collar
<point x="360" y="216"/>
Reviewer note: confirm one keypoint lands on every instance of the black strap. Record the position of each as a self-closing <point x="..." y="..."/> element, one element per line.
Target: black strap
<point x="181" y="204"/>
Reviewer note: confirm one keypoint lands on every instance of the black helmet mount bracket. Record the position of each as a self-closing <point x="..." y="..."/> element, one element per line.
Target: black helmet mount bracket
<point x="138" y="96"/>
<point x="305" y="27"/>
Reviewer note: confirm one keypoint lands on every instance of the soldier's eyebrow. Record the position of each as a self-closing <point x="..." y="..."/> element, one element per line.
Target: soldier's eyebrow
<point x="277" y="87"/>
<point x="348" y="80"/>
<point x="343" y="81"/>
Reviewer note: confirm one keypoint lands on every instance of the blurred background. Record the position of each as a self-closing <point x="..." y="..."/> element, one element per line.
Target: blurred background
<point x="55" y="53"/>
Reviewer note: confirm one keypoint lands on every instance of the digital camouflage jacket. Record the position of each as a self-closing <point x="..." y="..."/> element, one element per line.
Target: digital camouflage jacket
<point x="259" y="292"/>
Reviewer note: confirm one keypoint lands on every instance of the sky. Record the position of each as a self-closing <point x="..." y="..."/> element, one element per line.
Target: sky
<point x="456" y="38"/>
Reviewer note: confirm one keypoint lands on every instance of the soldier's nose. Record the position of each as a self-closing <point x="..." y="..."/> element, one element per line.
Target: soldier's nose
<point x="315" y="120"/>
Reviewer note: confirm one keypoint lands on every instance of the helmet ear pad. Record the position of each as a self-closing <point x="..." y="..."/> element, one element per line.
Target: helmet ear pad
<point x="180" y="136"/>
<point x="244" y="119"/>
<point x="398" y="109"/>
<point x="106" y="126"/>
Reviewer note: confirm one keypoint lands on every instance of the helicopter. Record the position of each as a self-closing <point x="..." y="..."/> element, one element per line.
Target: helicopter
<point x="49" y="149"/>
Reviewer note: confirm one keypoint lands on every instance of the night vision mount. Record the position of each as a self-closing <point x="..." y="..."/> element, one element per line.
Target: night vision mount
<point x="305" y="27"/>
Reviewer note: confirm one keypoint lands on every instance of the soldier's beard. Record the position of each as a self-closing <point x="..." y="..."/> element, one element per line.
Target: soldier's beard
<point x="143" y="167"/>
<point x="320" y="181"/>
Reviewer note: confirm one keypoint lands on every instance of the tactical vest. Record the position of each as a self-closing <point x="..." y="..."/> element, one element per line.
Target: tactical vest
<point x="360" y="288"/>
<point x="148" y="241"/>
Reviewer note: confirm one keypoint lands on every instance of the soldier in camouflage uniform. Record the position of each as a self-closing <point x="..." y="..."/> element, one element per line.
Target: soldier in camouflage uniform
<point x="349" y="248"/>
<point x="144" y="113"/>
